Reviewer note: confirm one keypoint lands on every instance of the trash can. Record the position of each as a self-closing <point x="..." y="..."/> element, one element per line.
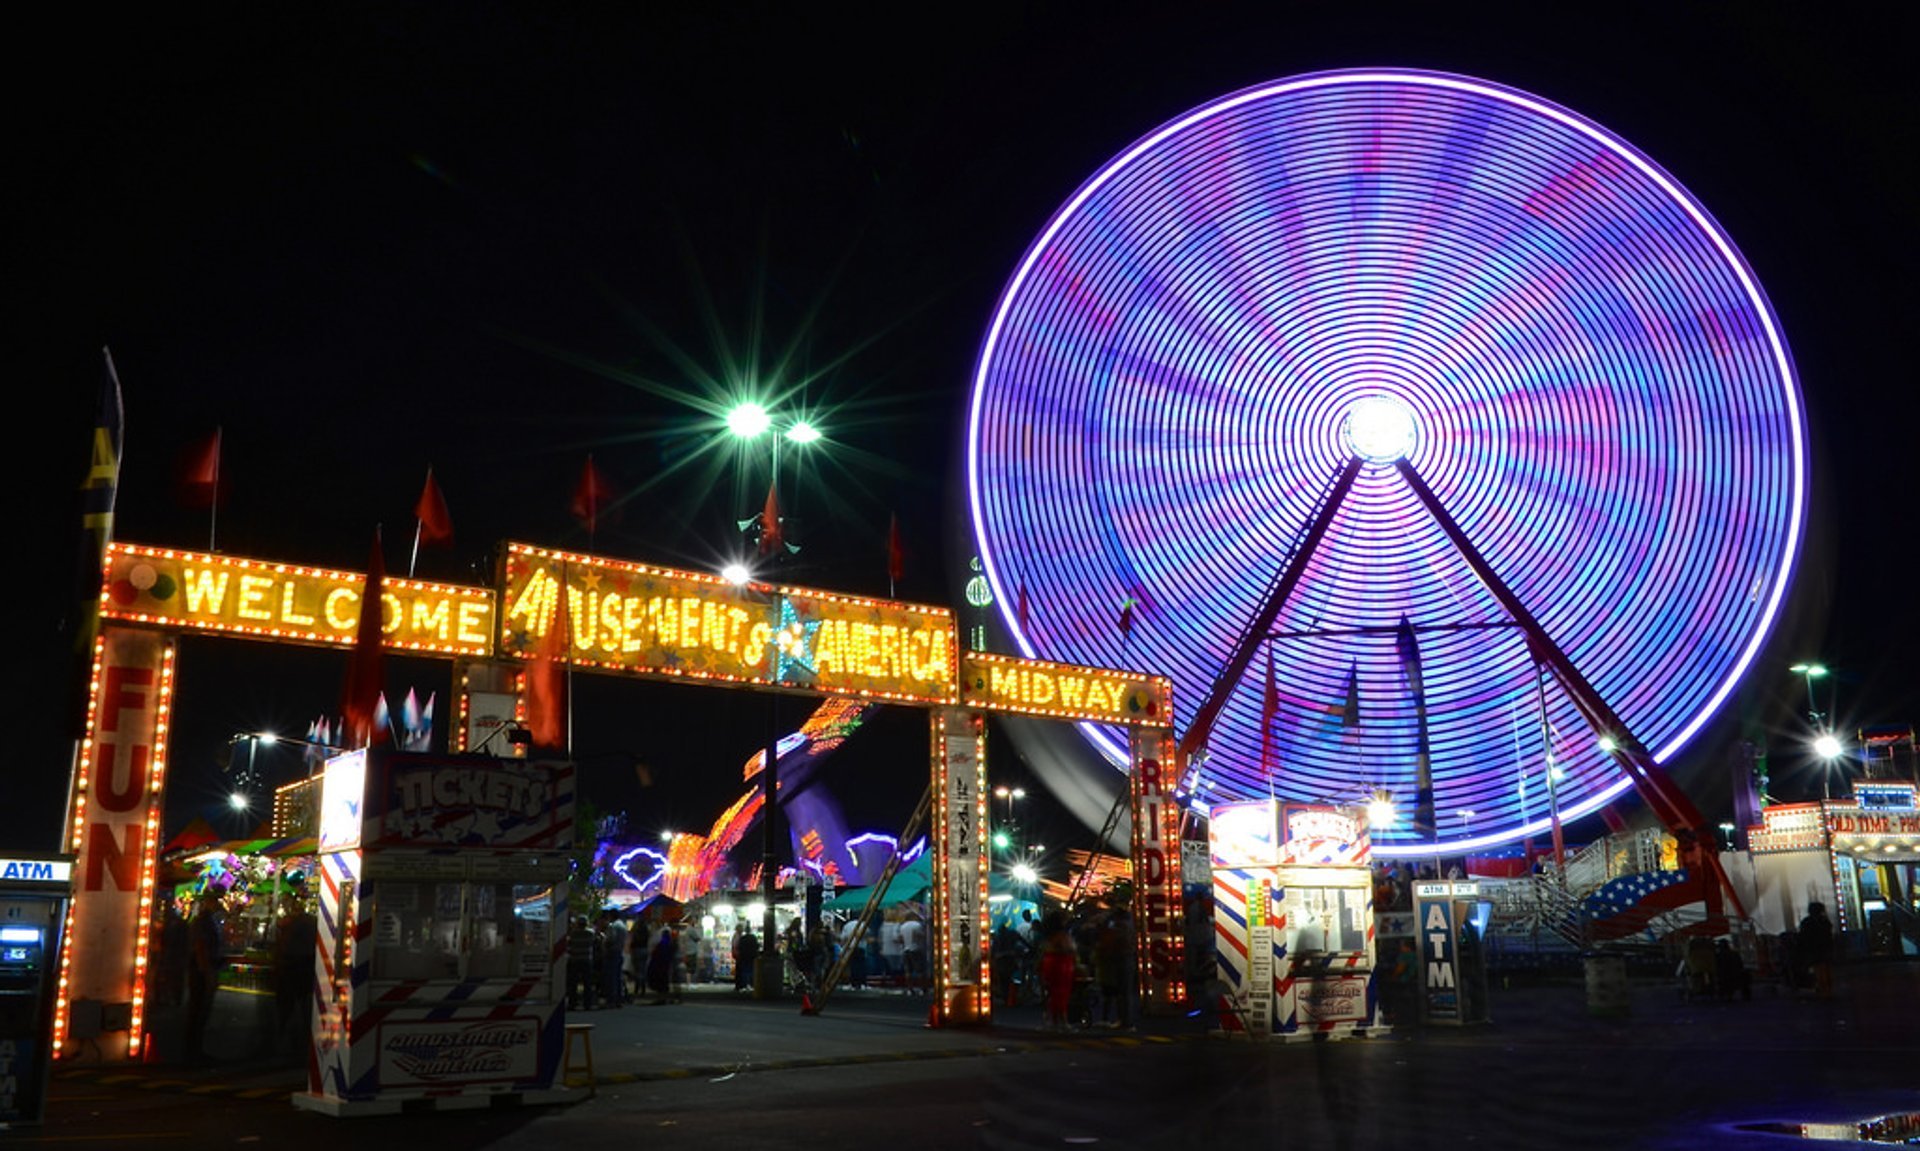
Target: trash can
<point x="1607" y="986"/>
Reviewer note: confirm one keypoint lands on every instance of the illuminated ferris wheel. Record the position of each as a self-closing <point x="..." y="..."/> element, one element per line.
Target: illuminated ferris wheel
<point x="1429" y="436"/>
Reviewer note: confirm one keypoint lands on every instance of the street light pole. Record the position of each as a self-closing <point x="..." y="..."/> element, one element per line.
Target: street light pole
<point x="1824" y="744"/>
<point x="748" y="421"/>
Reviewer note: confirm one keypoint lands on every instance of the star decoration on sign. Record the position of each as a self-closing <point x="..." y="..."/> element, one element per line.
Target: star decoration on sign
<point x="793" y="643"/>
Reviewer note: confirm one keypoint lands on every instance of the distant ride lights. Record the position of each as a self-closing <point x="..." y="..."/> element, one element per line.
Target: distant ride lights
<point x="1552" y="367"/>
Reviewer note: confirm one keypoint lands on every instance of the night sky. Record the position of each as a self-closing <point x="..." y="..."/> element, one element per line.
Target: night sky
<point x="370" y="239"/>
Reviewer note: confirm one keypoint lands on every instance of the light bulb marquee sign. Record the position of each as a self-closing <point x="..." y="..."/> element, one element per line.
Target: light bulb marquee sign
<point x="190" y="591"/>
<point x="622" y="618"/>
<point x="629" y="617"/>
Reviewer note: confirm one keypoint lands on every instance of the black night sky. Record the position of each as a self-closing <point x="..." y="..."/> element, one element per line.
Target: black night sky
<point x="367" y="239"/>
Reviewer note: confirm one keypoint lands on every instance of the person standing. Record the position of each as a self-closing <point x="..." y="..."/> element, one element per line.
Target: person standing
<point x="293" y="962"/>
<point x="207" y="956"/>
<point x="660" y="963"/>
<point x="583" y="965"/>
<point x="1816" y="948"/>
<point x="913" y="953"/>
<point x="613" y="954"/>
<point x="746" y="953"/>
<point x="1058" y="957"/>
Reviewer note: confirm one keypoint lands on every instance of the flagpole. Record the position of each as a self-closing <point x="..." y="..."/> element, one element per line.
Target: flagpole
<point x="213" y="505"/>
<point x="415" y="557"/>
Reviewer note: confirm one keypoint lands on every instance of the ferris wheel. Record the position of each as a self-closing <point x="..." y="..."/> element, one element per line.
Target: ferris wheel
<point x="1436" y="442"/>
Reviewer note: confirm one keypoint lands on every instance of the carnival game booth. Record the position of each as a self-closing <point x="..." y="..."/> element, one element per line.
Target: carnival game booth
<point x="1859" y="855"/>
<point x="441" y="968"/>
<point x="1293" y="920"/>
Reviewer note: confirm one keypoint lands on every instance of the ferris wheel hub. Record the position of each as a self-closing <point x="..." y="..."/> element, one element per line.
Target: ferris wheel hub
<point x="1380" y="429"/>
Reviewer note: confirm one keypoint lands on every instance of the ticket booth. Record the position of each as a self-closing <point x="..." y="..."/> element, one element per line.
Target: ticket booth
<point x="441" y="960"/>
<point x="1450" y="922"/>
<point x="33" y="913"/>
<point x="1293" y="919"/>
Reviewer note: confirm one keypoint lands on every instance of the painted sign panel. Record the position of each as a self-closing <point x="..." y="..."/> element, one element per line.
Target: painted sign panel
<point x="114" y="835"/>
<point x="1331" y="999"/>
<point x="467" y="801"/>
<point x="1439" y="954"/>
<point x="449" y="1054"/>
<point x="962" y="856"/>
<point x="628" y="617"/>
<point x="1244" y="834"/>
<point x="190" y="591"/>
<point x="1159" y="921"/>
<point x="991" y="682"/>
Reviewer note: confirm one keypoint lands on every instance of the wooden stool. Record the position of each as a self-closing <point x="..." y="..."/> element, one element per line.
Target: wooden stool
<point x="584" y="1033"/>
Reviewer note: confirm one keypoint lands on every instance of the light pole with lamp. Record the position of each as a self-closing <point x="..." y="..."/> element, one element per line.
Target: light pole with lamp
<point x="1825" y="745"/>
<point x="748" y="422"/>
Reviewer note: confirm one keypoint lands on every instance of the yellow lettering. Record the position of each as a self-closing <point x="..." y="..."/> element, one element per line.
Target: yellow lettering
<point x="473" y="621"/>
<point x="335" y="608"/>
<point x="206" y="591"/>
<point x="430" y="618"/>
<point x="610" y="622"/>
<point x="759" y="638"/>
<point x="689" y="621"/>
<point x="288" y="613"/>
<point x="254" y="591"/>
<point x="1073" y="691"/>
<point x="632" y="618"/>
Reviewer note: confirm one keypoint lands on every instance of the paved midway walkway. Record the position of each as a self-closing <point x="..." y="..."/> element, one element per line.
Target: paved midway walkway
<point x="713" y="1033"/>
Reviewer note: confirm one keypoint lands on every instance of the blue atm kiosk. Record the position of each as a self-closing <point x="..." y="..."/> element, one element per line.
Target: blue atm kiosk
<point x="33" y="913"/>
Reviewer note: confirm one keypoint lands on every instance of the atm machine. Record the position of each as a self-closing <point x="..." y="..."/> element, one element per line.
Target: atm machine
<point x="34" y="893"/>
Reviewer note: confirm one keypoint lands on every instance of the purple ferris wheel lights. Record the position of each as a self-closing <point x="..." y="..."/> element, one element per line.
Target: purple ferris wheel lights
<point x="1393" y="264"/>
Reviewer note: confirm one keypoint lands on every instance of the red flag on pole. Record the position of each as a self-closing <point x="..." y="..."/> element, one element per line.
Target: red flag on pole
<point x="1126" y="618"/>
<point x="589" y="504"/>
<point x="896" y="556"/>
<point x="200" y="473"/>
<point x="547" y="678"/>
<point x="436" y="526"/>
<point x="770" y="539"/>
<point x="364" y="672"/>
<point x="1021" y="612"/>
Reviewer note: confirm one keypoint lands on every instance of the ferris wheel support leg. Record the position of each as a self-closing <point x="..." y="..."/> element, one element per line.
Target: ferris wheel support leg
<point x="1249" y="642"/>
<point x="1670" y="804"/>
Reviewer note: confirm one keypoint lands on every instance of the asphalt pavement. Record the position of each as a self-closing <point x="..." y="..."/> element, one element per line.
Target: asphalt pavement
<point x="1781" y="1052"/>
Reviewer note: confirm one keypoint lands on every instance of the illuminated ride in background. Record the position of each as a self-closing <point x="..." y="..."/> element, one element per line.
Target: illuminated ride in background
<point x="1438" y="400"/>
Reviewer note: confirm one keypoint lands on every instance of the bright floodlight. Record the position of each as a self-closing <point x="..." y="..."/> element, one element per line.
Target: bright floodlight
<point x="267" y="737"/>
<point x="239" y="801"/>
<point x="1826" y="745"/>
<point x="748" y="420"/>
<point x="1380" y="812"/>
<point x="803" y="432"/>
<point x="1024" y="874"/>
<point x="1380" y="429"/>
<point x="1810" y="670"/>
<point x="736" y="573"/>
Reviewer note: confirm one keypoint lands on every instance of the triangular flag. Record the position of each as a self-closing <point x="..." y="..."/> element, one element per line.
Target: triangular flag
<point x="770" y="538"/>
<point x="364" y="670"/>
<point x="1126" y="618"/>
<point x="436" y="526"/>
<point x="200" y="473"/>
<point x="1020" y="612"/>
<point x="1350" y="710"/>
<point x="896" y="555"/>
<point x="590" y="498"/>
<point x="547" y="678"/>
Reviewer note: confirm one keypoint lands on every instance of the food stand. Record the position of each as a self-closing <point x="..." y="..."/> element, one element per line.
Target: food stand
<point x="1293" y="919"/>
<point x="440" y="970"/>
